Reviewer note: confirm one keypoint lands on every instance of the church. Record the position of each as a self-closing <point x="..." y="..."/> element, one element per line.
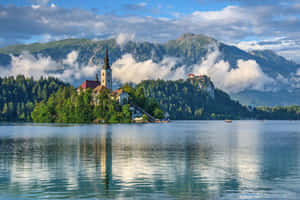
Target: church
<point x="105" y="83"/>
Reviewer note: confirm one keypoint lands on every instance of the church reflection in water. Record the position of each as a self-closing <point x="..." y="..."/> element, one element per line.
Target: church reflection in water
<point x="85" y="164"/>
<point x="106" y="159"/>
<point x="97" y="150"/>
<point x="117" y="163"/>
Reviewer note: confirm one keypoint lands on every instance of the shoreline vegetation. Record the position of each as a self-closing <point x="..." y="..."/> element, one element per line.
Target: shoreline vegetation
<point x="50" y="100"/>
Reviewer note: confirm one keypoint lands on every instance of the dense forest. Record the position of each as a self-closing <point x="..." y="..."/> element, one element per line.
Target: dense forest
<point x="51" y="100"/>
<point x="278" y="113"/>
<point x="69" y="106"/>
<point x="184" y="99"/>
<point x="191" y="99"/>
<point x="18" y="96"/>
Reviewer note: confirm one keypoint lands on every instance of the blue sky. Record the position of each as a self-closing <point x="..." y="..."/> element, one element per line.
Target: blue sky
<point x="119" y="6"/>
<point x="248" y="24"/>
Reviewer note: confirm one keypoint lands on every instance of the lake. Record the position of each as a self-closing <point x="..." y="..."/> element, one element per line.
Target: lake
<point x="177" y="160"/>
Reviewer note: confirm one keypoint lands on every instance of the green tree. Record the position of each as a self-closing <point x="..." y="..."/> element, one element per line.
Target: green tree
<point x="158" y="113"/>
<point x="41" y="113"/>
<point x="145" y="117"/>
<point x="126" y="113"/>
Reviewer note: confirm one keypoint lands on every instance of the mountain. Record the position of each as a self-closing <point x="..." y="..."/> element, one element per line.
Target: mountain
<point x="279" y="78"/>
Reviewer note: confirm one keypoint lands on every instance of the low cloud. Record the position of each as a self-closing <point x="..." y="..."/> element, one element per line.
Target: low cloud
<point x="247" y="75"/>
<point x="284" y="46"/>
<point x="29" y="65"/>
<point x="127" y="69"/>
<point x="123" y="38"/>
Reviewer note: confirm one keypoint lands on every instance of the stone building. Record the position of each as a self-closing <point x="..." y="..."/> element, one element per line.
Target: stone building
<point x="120" y="96"/>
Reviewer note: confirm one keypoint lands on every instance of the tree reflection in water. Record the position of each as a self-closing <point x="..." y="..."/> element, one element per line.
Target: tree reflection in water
<point x="150" y="161"/>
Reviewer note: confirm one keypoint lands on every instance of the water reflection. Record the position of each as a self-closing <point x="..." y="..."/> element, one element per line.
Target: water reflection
<point x="191" y="160"/>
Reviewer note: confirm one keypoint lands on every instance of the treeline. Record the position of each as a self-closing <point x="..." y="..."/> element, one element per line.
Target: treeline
<point x="51" y="100"/>
<point x="18" y="96"/>
<point x="68" y="106"/>
<point x="278" y="113"/>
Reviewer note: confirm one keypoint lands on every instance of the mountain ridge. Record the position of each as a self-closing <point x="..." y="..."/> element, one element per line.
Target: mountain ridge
<point x="190" y="48"/>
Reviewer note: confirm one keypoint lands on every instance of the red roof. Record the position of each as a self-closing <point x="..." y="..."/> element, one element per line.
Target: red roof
<point x="89" y="84"/>
<point x="191" y="75"/>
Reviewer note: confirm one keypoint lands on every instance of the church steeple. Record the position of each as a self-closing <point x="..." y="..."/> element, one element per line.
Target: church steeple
<point x="97" y="77"/>
<point x="106" y="60"/>
<point x="106" y="73"/>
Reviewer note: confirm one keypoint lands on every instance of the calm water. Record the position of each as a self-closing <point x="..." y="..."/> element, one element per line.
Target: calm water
<point x="179" y="160"/>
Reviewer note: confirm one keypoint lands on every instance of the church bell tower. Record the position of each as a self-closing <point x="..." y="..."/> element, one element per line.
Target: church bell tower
<point x="106" y="73"/>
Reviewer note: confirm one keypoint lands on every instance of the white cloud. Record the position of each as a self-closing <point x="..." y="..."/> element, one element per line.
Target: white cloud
<point x="286" y="47"/>
<point x="127" y="69"/>
<point x="35" y="6"/>
<point x="247" y="75"/>
<point x="229" y="24"/>
<point x="71" y="58"/>
<point x="228" y="15"/>
<point x="36" y="66"/>
<point x="123" y="38"/>
<point x="30" y="65"/>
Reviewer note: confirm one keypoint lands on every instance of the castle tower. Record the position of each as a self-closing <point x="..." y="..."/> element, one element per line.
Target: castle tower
<point x="106" y="73"/>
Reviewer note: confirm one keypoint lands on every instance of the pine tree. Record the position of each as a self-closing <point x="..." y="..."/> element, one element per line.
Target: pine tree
<point x="5" y="112"/>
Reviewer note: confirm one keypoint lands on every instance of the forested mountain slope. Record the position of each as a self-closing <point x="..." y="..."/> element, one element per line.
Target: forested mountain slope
<point x="190" y="49"/>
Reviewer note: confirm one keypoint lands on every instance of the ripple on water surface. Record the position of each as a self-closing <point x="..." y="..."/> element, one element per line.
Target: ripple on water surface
<point x="178" y="160"/>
